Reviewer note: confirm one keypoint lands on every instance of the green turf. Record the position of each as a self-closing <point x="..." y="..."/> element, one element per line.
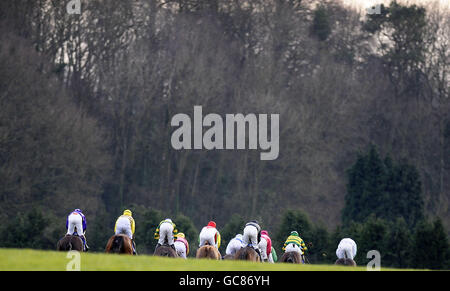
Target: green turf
<point x="36" y="260"/>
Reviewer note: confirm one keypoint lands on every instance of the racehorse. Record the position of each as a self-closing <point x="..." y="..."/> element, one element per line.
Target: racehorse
<point x="119" y="244"/>
<point x="208" y="252"/>
<point x="165" y="251"/>
<point x="345" y="262"/>
<point x="247" y="254"/>
<point x="70" y="243"/>
<point x="228" y="257"/>
<point x="291" y="257"/>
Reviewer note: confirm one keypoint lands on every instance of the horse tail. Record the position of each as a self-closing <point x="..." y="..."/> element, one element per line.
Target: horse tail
<point x="117" y="244"/>
<point x="70" y="243"/>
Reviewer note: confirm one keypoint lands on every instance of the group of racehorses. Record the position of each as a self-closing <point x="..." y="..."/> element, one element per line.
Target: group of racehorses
<point x="122" y="244"/>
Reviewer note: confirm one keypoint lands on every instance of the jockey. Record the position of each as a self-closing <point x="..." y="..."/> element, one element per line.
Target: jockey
<point x="294" y="243"/>
<point x="234" y="245"/>
<point x="166" y="231"/>
<point x="252" y="235"/>
<point x="125" y="225"/>
<point x="181" y="245"/>
<point x="346" y="249"/>
<point x="273" y="256"/>
<point x="76" y="225"/>
<point x="209" y="234"/>
<point x="265" y="245"/>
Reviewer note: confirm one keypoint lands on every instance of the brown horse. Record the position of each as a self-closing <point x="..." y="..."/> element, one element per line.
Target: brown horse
<point x="291" y="257"/>
<point x="119" y="244"/>
<point x="228" y="257"/>
<point x="345" y="262"/>
<point x="70" y="243"/>
<point x="165" y="251"/>
<point x="208" y="252"/>
<point x="247" y="254"/>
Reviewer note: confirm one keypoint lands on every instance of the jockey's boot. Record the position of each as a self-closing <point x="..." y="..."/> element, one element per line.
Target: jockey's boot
<point x="85" y="246"/>
<point x="134" y="248"/>
<point x="173" y="247"/>
<point x="259" y="253"/>
<point x="157" y="246"/>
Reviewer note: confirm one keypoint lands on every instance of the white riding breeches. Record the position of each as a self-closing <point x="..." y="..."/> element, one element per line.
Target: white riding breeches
<point x="166" y="232"/>
<point x="123" y="226"/>
<point x="263" y="247"/>
<point x="293" y="248"/>
<point x="250" y="236"/>
<point x="208" y="235"/>
<point x="181" y="249"/>
<point x="346" y="249"/>
<point x="233" y="246"/>
<point x="75" y="224"/>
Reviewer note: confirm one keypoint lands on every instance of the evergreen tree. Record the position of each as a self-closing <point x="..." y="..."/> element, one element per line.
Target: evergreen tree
<point x="321" y="27"/>
<point x="26" y="231"/>
<point x="320" y="246"/>
<point x="373" y="235"/>
<point x="365" y="189"/>
<point x="430" y="247"/>
<point x="382" y="188"/>
<point x="398" y="245"/>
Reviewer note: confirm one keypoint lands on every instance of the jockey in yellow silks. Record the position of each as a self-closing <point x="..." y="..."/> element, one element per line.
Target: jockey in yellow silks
<point x="125" y="225"/>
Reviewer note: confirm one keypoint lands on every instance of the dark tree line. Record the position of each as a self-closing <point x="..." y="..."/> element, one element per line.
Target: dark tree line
<point x="86" y="102"/>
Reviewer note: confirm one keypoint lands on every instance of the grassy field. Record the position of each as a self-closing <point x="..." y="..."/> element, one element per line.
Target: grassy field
<point x="34" y="260"/>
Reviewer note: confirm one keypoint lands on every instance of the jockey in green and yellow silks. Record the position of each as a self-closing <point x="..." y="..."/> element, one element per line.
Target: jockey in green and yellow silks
<point x="166" y="232"/>
<point x="294" y="243"/>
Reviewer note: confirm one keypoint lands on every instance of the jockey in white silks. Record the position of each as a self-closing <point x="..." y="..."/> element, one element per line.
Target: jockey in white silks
<point x="181" y="245"/>
<point x="234" y="245"/>
<point x="346" y="249"/>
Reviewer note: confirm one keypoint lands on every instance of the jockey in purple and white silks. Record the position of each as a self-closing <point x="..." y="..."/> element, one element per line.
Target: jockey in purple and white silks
<point x="76" y="225"/>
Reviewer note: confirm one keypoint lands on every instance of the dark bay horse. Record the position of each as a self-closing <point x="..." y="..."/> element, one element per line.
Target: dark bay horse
<point x="291" y="257"/>
<point x="247" y="254"/>
<point x="208" y="252"/>
<point x="70" y="243"/>
<point x="119" y="244"/>
<point x="345" y="262"/>
<point x="228" y="257"/>
<point x="165" y="251"/>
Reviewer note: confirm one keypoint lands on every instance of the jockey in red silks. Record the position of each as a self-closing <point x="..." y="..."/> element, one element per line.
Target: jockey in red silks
<point x="265" y="245"/>
<point x="209" y="234"/>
